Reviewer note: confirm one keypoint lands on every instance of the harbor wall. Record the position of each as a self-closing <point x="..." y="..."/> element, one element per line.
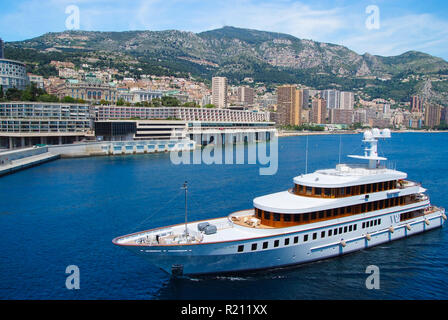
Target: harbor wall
<point x="105" y="148"/>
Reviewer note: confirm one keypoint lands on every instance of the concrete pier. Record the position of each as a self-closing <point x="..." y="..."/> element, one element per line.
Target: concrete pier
<point x="15" y="160"/>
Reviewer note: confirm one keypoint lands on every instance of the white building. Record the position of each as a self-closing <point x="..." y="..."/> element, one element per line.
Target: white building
<point x="347" y="100"/>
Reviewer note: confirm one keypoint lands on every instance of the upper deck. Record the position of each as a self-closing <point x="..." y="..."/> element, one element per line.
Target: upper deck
<point x="346" y="175"/>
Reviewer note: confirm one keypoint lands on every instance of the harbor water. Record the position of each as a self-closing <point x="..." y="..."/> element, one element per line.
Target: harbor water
<point x="67" y="212"/>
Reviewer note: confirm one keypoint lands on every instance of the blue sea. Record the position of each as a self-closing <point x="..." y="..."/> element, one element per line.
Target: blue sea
<point x="67" y="212"/>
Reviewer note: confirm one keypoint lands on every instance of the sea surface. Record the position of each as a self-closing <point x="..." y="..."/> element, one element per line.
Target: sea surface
<point x="67" y="212"/>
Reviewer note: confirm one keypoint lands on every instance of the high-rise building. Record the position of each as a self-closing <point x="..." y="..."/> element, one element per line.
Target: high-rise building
<point x="319" y="110"/>
<point x="2" y="49"/>
<point x="416" y="104"/>
<point x="346" y="100"/>
<point x="341" y="116"/>
<point x="289" y="105"/>
<point x="305" y="99"/>
<point x="331" y="96"/>
<point x="444" y="117"/>
<point x="246" y="95"/>
<point x="433" y="113"/>
<point x="219" y="92"/>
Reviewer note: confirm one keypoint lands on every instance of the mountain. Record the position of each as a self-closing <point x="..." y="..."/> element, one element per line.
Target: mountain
<point x="234" y="52"/>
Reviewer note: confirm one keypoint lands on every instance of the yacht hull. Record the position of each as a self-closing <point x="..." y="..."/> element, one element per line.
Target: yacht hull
<point x="223" y="257"/>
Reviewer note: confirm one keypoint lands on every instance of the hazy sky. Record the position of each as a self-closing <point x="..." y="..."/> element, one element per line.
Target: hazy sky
<point x="402" y="25"/>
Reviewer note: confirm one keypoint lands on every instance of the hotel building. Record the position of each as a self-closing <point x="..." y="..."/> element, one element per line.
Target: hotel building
<point x="29" y="123"/>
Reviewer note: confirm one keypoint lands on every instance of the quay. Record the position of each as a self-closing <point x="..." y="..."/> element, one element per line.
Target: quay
<point x="15" y="160"/>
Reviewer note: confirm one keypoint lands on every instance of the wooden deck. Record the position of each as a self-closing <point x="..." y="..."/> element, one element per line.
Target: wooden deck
<point x="250" y="221"/>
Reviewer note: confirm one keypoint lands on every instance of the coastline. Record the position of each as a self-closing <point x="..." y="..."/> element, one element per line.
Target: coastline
<point x="310" y="133"/>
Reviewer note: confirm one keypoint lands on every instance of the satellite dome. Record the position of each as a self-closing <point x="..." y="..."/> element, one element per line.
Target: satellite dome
<point x="386" y="133"/>
<point x="368" y="135"/>
<point x="376" y="132"/>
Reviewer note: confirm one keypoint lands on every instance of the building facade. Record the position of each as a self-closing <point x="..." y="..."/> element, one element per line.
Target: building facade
<point x="179" y="113"/>
<point x="289" y="105"/>
<point x="89" y="91"/>
<point x="245" y="95"/>
<point x="433" y="114"/>
<point x="347" y="100"/>
<point x="416" y="104"/>
<point x="219" y="92"/>
<point x="318" y="110"/>
<point x="341" y="116"/>
<point x="29" y="123"/>
<point x="12" y="74"/>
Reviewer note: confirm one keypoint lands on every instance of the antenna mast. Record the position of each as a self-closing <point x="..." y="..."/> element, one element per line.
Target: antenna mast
<point x="306" y="156"/>
<point x="185" y="187"/>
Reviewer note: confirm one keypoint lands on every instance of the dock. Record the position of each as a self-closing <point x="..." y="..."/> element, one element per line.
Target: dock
<point x="15" y="160"/>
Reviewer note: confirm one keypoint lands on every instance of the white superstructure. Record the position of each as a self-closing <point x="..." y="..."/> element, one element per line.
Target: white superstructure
<point x="327" y="213"/>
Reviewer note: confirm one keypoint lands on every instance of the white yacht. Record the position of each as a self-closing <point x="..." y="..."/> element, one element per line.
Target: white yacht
<point x="325" y="214"/>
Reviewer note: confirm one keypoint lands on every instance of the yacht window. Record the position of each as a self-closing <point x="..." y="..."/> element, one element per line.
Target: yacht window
<point x="306" y="216"/>
<point x="350" y="228"/>
<point x="322" y="234"/>
<point x="296" y="239"/>
<point x="286" y="241"/>
<point x="354" y="227"/>
<point x="276" y="217"/>
<point x="345" y="229"/>
<point x="276" y="243"/>
<point x="327" y="192"/>
<point x="267" y="215"/>
<point x="305" y="238"/>
<point x="330" y="232"/>
<point x="318" y="191"/>
<point x="313" y="215"/>
<point x="336" y="231"/>
<point x="309" y="190"/>
<point x="363" y="225"/>
<point x="340" y="230"/>
<point x="321" y="214"/>
<point x="314" y="235"/>
<point x="297" y="217"/>
<point x="286" y="217"/>
<point x="254" y="246"/>
<point x="265" y="245"/>
<point x="241" y="248"/>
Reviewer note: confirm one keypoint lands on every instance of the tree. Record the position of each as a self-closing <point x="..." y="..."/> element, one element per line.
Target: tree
<point x="120" y="102"/>
<point x="68" y="99"/>
<point x="156" y="102"/>
<point x="168" y="101"/>
<point x="209" y="105"/>
<point x="191" y="104"/>
<point x="13" y="94"/>
<point x="103" y="102"/>
<point x="1" y="92"/>
<point x="48" y="98"/>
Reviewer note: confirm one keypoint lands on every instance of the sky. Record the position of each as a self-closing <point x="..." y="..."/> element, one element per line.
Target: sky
<point x="380" y="27"/>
